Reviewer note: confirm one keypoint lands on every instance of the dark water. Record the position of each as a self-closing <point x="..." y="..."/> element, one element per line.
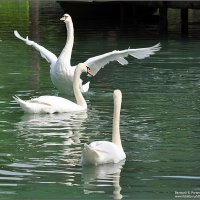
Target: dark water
<point x="160" y="118"/>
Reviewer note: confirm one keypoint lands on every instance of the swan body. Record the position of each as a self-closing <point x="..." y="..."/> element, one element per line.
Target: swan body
<point x="48" y="104"/>
<point x="54" y="104"/>
<point x="102" y="152"/>
<point x="61" y="70"/>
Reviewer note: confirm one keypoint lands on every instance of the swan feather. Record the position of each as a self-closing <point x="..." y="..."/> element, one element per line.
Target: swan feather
<point x="98" y="62"/>
<point x="46" y="54"/>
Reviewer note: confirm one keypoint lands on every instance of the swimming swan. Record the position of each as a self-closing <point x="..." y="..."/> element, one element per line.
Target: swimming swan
<point x="101" y="152"/>
<point x="54" y="104"/>
<point x="61" y="70"/>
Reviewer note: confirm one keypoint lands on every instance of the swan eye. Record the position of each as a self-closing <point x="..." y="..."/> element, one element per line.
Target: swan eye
<point x="89" y="71"/>
<point x="65" y="16"/>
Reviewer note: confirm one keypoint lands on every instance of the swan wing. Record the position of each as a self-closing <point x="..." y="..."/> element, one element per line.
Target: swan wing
<point x="53" y="101"/>
<point x="57" y="104"/>
<point x="46" y="54"/>
<point x="98" y="62"/>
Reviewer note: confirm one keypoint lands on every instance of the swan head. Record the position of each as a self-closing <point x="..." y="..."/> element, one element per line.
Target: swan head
<point x="65" y="18"/>
<point x="117" y="94"/>
<point x="84" y="68"/>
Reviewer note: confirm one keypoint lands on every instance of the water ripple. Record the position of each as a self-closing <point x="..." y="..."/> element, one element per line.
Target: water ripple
<point x="179" y="177"/>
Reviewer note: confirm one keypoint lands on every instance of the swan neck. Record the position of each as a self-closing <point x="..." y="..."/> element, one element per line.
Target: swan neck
<point x="116" y="123"/>
<point x="70" y="34"/>
<point x="76" y="86"/>
<point x="67" y="50"/>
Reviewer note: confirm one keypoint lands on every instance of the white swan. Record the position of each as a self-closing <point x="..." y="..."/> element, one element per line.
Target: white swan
<point x="60" y="68"/>
<point x="54" y="104"/>
<point x="101" y="152"/>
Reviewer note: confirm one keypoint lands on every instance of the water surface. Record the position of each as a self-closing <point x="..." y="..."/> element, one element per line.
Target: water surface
<point x="40" y="154"/>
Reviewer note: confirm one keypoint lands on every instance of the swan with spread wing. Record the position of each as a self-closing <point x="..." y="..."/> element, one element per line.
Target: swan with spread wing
<point x="61" y="70"/>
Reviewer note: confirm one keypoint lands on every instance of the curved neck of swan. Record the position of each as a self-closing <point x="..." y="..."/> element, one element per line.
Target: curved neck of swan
<point x="76" y="86"/>
<point x="67" y="50"/>
<point x="116" y="122"/>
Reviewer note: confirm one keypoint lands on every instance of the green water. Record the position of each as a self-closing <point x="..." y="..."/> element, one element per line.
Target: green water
<point x="160" y="118"/>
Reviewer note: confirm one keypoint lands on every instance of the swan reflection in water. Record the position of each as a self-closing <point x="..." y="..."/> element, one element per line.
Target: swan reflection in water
<point x="64" y="125"/>
<point x="97" y="177"/>
<point x="53" y="143"/>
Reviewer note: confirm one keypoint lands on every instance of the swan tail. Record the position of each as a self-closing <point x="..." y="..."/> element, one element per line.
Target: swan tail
<point x="90" y="149"/>
<point x="89" y="155"/>
<point x="26" y="107"/>
<point x="21" y="102"/>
